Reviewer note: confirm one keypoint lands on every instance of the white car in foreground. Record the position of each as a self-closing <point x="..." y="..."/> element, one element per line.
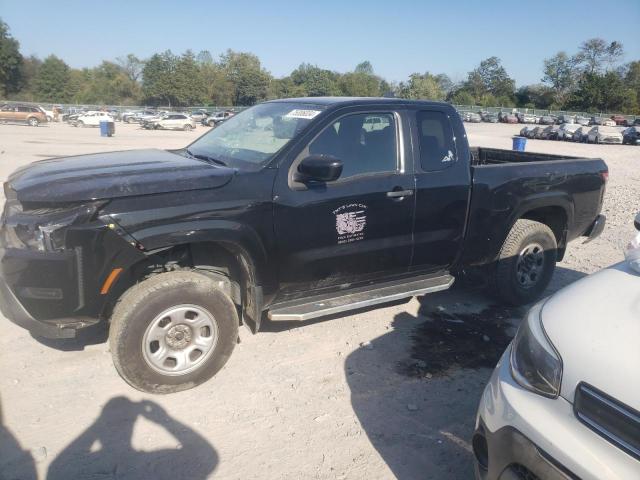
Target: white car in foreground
<point x="564" y="400"/>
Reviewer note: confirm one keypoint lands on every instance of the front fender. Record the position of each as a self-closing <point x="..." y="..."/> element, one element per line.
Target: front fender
<point x="240" y="236"/>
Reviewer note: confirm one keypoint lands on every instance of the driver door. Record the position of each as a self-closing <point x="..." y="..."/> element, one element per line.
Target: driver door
<point x="354" y="229"/>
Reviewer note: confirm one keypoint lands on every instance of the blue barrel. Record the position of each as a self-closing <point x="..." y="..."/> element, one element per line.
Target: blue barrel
<point x="519" y="143"/>
<point x="104" y="128"/>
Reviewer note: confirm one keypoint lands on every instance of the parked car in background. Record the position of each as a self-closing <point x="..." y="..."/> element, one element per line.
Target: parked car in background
<point x="115" y="114"/>
<point x="526" y="118"/>
<point x="524" y="131"/>
<point x="583" y="121"/>
<point x="142" y="115"/>
<point x="566" y="119"/>
<point x="129" y="114"/>
<point x="490" y="118"/>
<point x="48" y="113"/>
<point x="510" y="118"/>
<point x="607" y="122"/>
<point x="92" y="119"/>
<point x="217" y="118"/>
<point x="564" y="401"/>
<point x="636" y="122"/>
<point x="566" y="131"/>
<point x="602" y="134"/>
<point x="172" y="121"/>
<point x="474" y="117"/>
<point x="550" y="132"/>
<point x="535" y="132"/>
<point x="580" y="135"/>
<point x="199" y="115"/>
<point x="17" y="113"/>
<point x="631" y="136"/>
<point x="72" y="113"/>
<point x="620" y="120"/>
<point x="547" y="120"/>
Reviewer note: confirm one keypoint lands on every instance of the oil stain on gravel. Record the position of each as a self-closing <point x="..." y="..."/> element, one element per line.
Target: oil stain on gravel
<point x="451" y="340"/>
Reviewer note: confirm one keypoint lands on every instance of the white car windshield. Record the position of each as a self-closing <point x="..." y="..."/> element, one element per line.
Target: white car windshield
<point x="253" y="137"/>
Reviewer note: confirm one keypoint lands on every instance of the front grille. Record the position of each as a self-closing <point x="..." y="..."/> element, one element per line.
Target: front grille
<point x="609" y="418"/>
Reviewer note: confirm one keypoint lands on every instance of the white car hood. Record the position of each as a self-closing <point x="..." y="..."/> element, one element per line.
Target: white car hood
<point x="595" y="326"/>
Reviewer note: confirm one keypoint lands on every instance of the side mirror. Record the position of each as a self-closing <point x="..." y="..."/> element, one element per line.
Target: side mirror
<point x="636" y="222"/>
<point x="319" y="168"/>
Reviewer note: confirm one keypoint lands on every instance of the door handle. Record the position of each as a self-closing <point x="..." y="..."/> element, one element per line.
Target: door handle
<point x="399" y="193"/>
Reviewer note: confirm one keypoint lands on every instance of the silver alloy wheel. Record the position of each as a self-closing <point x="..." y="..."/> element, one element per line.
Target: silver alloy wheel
<point x="33" y="122"/>
<point x="179" y="340"/>
<point x="530" y="265"/>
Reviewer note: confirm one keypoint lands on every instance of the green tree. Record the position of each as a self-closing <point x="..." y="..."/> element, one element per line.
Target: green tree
<point x="494" y="77"/>
<point x="250" y="81"/>
<point x="462" y="97"/>
<point x="188" y="84"/>
<point x="632" y="79"/>
<point x="596" y="55"/>
<point x="561" y="74"/>
<point x="422" y="86"/>
<point x="132" y="66"/>
<point x="606" y="92"/>
<point x="364" y="67"/>
<point x="10" y="62"/>
<point x="50" y="83"/>
<point x="157" y="79"/>
<point x="315" y="81"/>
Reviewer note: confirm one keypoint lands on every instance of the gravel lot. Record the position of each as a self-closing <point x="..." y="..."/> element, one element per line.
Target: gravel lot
<point x="387" y="393"/>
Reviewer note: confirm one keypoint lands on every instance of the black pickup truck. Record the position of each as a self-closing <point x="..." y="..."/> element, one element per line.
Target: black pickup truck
<point x="292" y="209"/>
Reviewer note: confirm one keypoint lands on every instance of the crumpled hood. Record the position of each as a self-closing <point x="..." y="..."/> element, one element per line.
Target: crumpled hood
<point x="595" y="325"/>
<point x="114" y="175"/>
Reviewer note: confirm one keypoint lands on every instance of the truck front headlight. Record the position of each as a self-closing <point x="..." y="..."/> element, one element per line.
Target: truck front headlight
<point x="43" y="229"/>
<point x="535" y="363"/>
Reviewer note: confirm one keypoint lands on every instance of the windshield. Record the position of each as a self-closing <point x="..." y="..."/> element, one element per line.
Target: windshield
<point x="252" y="138"/>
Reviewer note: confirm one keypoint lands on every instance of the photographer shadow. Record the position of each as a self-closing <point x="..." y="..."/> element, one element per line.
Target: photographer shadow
<point x="104" y="450"/>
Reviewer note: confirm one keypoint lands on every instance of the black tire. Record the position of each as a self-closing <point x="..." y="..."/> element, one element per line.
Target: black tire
<point x="508" y="282"/>
<point x="33" y="122"/>
<point x="187" y="128"/>
<point x="147" y="300"/>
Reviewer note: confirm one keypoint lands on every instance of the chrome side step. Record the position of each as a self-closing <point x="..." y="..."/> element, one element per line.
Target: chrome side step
<point x="307" y="309"/>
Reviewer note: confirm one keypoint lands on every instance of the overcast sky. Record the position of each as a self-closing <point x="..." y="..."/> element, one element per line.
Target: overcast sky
<point x="397" y="36"/>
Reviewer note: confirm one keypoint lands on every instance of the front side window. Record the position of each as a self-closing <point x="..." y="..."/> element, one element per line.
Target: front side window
<point x="435" y="136"/>
<point x="362" y="148"/>
<point x="253" y="137"/>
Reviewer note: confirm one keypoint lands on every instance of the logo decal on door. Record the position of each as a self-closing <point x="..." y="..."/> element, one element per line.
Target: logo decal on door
<point x="350" y="222"/>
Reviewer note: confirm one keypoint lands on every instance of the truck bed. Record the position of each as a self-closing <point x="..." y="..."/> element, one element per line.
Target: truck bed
<point x="507" y="185"/>
<point x="494" y="156"/>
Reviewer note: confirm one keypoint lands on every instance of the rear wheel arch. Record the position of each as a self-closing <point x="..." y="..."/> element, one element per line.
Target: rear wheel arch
<point x="555" y="217"/>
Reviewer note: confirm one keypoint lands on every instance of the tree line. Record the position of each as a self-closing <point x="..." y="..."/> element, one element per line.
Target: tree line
<point x="592" y="79"/>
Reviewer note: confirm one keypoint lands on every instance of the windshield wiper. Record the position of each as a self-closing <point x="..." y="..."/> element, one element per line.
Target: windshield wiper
<point x="206" y="158"/>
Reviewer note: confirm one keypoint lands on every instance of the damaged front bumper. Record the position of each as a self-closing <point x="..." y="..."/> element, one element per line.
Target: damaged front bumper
<point x="41" y="292"/>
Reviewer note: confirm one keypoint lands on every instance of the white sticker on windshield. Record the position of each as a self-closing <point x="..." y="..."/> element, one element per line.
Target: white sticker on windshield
<point x="297" y="113"/>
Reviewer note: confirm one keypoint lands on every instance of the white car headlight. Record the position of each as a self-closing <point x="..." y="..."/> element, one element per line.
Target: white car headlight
<point x="632" y="253"/>
<point x="535" y="363"/>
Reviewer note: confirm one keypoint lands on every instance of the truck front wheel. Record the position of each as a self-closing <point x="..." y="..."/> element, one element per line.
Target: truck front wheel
<point x="172" y="332"/>
<point x="525" y="264"/>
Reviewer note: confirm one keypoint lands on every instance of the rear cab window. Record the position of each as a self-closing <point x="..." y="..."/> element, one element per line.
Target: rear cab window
<point x="436" y="140"/>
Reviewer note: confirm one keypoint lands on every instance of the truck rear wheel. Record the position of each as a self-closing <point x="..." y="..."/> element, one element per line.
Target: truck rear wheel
<point x="172" y="332"/>
<point x="525" y="264"/>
